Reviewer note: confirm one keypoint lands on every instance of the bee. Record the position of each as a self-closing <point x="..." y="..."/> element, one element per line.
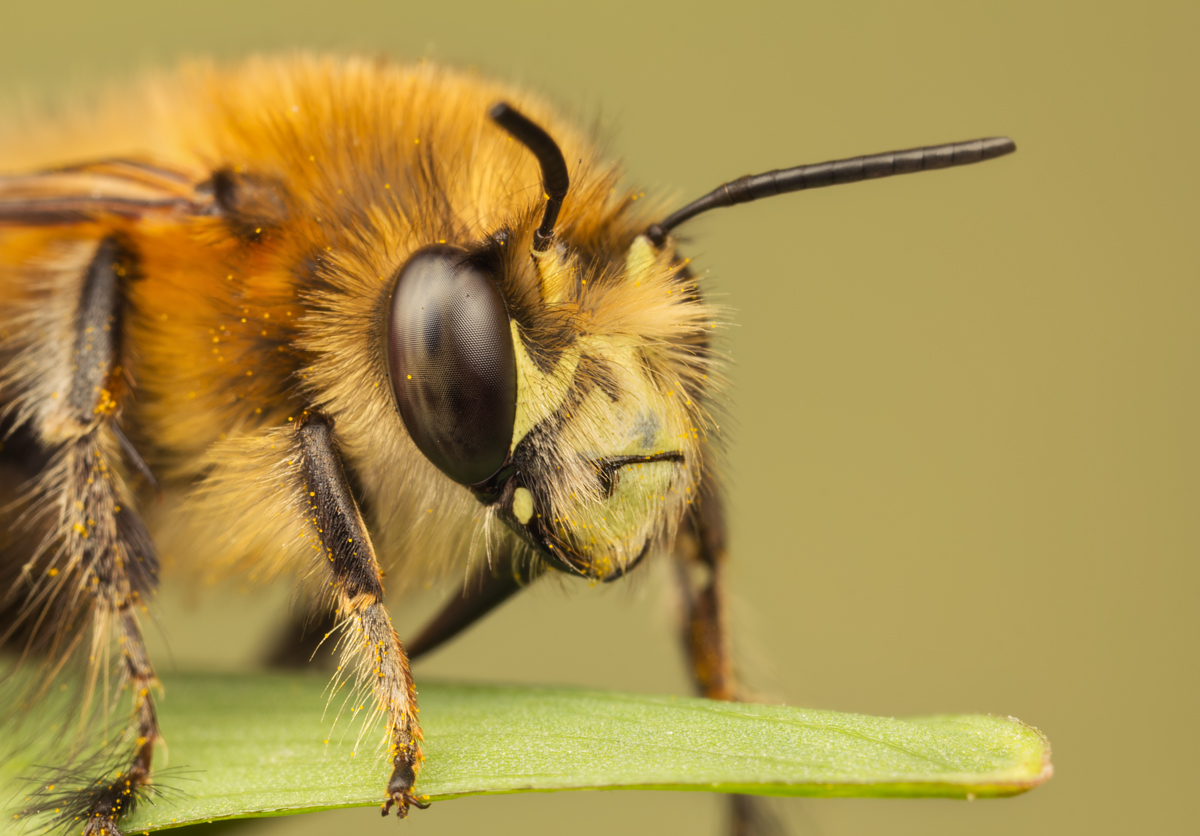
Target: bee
<point x="367" y="316"/>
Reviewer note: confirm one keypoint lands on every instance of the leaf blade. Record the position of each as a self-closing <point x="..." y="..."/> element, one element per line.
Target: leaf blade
<point x="258" y="746"/>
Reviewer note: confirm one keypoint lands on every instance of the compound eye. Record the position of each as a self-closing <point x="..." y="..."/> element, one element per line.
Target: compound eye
<point x="451" y="358"/>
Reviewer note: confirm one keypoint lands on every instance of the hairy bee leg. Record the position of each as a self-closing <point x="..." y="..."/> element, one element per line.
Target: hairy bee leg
<point x="101" y="561"/>
<point x="358" y="590"/>
<point x="700" y="553"/>
<point x="115" y="797"/>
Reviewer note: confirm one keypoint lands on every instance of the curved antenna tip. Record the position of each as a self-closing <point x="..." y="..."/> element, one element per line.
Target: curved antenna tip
<point x="555" y="181"/>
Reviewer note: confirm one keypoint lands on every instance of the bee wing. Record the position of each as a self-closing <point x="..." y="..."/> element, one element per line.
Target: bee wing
<point x="125" y="187"/>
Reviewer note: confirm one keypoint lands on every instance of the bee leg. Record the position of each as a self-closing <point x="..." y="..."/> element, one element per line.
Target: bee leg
<point x="370" y="640"/>
<point x="700" y="558"/>
<point x="700" y="555"/>
<point x="487" y="588"/>
<point x="99" y="562"/>
<point x="114" y="797"/>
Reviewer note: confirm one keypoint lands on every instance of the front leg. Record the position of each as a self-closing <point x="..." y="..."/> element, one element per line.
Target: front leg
<point x="370" y="643"/>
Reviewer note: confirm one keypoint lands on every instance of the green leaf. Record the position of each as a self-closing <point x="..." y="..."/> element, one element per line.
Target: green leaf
<point x="256" y="746"/>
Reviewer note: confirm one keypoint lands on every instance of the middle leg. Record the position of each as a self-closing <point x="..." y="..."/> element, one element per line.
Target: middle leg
<point x="370" y="641"/>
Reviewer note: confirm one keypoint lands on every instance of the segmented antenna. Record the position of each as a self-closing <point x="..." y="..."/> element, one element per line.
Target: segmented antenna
<point x="555" y="181"/>
<point x="833" y="173"/>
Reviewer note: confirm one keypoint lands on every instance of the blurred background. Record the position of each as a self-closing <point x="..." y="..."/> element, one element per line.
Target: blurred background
<point x="964" y="466"/>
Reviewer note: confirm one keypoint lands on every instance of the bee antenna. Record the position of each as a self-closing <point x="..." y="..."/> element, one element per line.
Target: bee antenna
<point x="555" y="181"/>
<point x="833" y="173"/>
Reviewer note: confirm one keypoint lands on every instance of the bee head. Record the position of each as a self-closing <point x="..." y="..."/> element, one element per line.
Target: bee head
<point x="560" y="369"/>
<point x="560" y="376"/>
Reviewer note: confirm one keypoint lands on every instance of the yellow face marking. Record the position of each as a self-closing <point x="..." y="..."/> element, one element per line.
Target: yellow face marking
<point x="522" y="505"/>
<point x="557" y="274"/>
<point x="640" y="258"/>
<point x="639" y="423"/>
<point x="539" y="395"/>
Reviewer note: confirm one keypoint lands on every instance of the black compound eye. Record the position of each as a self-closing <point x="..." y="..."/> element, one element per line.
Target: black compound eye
<point x="451" y="358"/>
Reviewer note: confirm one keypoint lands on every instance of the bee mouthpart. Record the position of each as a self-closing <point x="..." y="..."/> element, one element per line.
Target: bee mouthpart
<point x="575" y="564"/>
<point x="559" y="554"/>
<point x="623" y="569"/>
<point x="598" y="540"/>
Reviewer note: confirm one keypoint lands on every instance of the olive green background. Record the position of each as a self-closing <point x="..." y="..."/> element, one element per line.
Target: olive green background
<point x="963" y="456"/>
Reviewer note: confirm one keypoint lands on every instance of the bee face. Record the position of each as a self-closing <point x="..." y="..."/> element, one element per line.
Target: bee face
<point x="563" y="390"/>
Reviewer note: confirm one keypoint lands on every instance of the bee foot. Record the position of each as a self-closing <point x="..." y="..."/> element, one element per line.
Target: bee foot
<point x="402" y="801"/>
<point x="399" y="790"/>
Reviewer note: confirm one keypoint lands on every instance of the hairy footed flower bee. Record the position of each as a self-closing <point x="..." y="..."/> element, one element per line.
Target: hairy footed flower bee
<point x="367" y="317"/>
